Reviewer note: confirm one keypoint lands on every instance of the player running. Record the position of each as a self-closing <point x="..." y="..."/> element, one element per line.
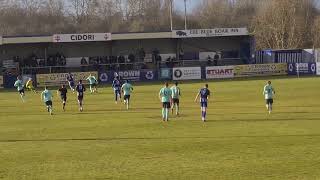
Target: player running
<point x="176" y="93"/>
<point x="80" y="92"/>
<point x="116" y="85"/>
<point x="165" y="97"/>
<point x="29" y="85"/>
<point x="63" y="94"/>
<point x="20" y="87"/>
<point x="126" y="89"/>
<point x="204" y="95"/>
<point x="70" y="80"/>
<point x="93" y="83"/>
<point x="268" y="93"/>
<point x="46" y="97"/>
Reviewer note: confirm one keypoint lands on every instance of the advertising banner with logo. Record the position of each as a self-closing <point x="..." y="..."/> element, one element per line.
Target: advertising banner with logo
<point x="318" y="68"/>
<point x="187" y="73"/>
<point x="219" y="72"/>
<point x="1" y="81"/>
<point x="302" y="68"/>
<point x="260" y="70"/>
<point x="57" y="79"/>
<point x="134" y="75"/>
<point x="192" y="33"/>
<point x="57" y="38"/>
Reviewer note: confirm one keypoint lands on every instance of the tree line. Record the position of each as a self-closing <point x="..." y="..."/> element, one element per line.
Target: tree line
<point x="276" y="24"/>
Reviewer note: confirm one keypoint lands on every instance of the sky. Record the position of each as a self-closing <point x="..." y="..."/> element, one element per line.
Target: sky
<point x="179" y="4"/>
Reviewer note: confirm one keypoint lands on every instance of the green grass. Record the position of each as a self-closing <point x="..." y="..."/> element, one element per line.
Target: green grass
<point x="239" y="141"/>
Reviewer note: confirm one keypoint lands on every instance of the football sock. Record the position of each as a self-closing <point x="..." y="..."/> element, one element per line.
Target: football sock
<point x="177" y="110"/>
<point x="22" y="98"/>
<point x="163" y="113"/>
<point x="167" y="114"/>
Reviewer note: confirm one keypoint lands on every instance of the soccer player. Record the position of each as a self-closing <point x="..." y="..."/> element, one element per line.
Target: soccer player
<point x="29" y="85"/>
<point x="80" y="92"/>
<point x="165" y="97"/>
<point x="63" y="94"/>
<point x="93" y="83"/>
<point x="126" y="89"/>
<point x="268" y="93"/>
<point x="116" y="85"/>
<point x="20" y="87"/>
<point x="176" y="93"/>
<point x="204" y="95"/>
<point x="46" y="96"/>
<point x="70" y="80"/>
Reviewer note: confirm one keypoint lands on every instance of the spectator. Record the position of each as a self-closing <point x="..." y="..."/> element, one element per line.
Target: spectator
<point x="131" y="58"/>
<point x="174" y="61"/>
<point x="42" y="63"/>
<point x="215" y="59"/>
<point x="121" y="59"/>
<point x="84" y="61"/>
<point x="155" y="54"/>
<point x="209" y="60"/>
<point x="181" y="54"/>
<point x="142" y="55"/>
<point x="168" y="62"/>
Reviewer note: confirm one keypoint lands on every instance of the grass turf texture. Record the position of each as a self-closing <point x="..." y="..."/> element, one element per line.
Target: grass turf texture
<point x="239" y="141"/>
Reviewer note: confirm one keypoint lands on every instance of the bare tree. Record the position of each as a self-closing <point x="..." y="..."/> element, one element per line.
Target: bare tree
<point x="283" y="24"/>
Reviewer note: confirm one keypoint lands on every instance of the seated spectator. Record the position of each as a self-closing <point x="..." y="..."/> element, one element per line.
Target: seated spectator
<point x="121" y="59"/>
<point x="131" y="58"/>
<point x="42" y="63"/>
<point x="84" y="61"/>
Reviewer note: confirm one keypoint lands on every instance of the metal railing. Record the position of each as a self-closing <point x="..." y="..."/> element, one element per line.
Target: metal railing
<point x="129" y="66"/>
<point x="81" y="68"/>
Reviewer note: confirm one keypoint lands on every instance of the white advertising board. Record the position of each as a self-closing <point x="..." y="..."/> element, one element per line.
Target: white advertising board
<point x="219" y="72"/>
<point x="186" y="73"/>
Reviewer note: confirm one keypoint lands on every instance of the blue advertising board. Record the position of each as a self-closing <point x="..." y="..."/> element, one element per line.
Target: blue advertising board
<point x="8" y="80"/>
<point x="302" y="68"/>
<point x="130" y="75"/>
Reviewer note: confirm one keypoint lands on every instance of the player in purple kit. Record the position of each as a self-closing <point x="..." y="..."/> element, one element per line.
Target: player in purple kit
<point x="70" y="80"/>
<point x="116" y="85"/>
<point x="63" y="94"/>
<point x="204" y="95"/>
<point x="80" y="92"/>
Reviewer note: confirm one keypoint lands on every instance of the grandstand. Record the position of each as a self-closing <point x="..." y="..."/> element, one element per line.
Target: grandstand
<point x="125" y="51"/>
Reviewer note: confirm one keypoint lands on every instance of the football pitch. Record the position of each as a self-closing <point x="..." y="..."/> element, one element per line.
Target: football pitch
<point x="239" y="141"/>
